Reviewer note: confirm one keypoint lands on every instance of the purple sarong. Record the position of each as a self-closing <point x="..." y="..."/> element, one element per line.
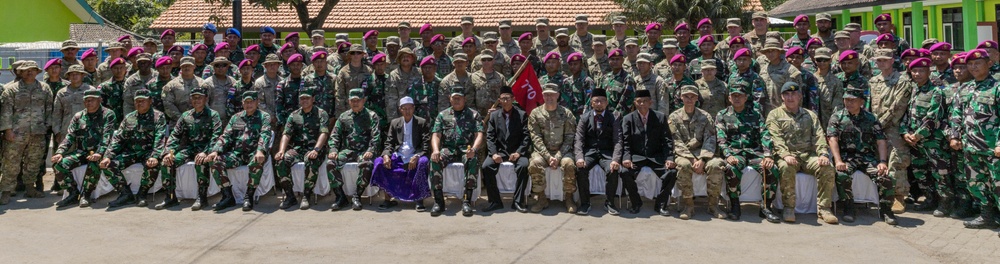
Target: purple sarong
<point x="407" y="186"/>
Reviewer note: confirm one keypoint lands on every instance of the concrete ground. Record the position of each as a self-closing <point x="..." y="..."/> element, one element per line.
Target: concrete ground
<point x="36" y="232"/>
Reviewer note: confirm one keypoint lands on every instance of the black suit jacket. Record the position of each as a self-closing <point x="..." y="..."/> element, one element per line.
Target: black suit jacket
<point x="505" y="141"/>
<point x="421" y="136"/>
<point x="605" y="141"/>
<point x="652" y="142"/>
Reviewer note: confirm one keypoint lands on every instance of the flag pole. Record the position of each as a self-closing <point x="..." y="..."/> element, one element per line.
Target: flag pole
<point x="518" y="73"/>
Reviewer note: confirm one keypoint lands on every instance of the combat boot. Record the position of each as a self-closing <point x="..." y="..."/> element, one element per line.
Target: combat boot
<point x="33" y="193"/>
<point x="306" y="200"/>
<point x="734" y="209"/>
<point x="248" y="199"/>
<point x="688" y="211"/>
<point x="340" y="201"/>
<point x="543" y="202"/>
<point x="570" y="204"/>
<point x="827" y="216"/>
<point x="467" y="204"/>
<point x="228" y="199"/>
<point x="72" y="198"/>
<point x="930" y="203"/>
<point x="767" y="212"/>
<point x="986" y="220"/>
<point x="885" y="212"/>
<point x="438" y="207"/>
<point x="849" y="213"/>
<point x="944" y="206"/>
<point x="125" y="196"/>
<point x="898" y="206"/>
<point x="289" y="196"/>
<point x="169" y="201"/>
<point x="141" y="197"/>
<point x="85" y="199"/>
<point x="713" y="207"/>
<point x="4" y="198"/>
<point x="202" y="200"/>
<point x="963" y="208"/>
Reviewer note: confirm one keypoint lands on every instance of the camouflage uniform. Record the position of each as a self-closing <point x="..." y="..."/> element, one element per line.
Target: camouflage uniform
<point x="140" y="136"/>
<point x="597" y="67"/>
<point x="552" y="135"/>
<point x="453" y="80"/>
<point x="350" y="77"/>
<point x="857" y="81"/>
<point x="690" y="51"/>
<point x="88" y="133"/>
<point x="218" y="93"/>
<point x="826" y="98"/>
<point x="658" y="89"/>
<point x="444" y="65"/>
<point x="926" y="119"/>
<point x="889" y="99"/>
<point x="857" y="136"/>
<point x="487" y="86"/>
<point x="457" y="131"/>
<point x="136" y="82"/>
<point x="756" y="91"/>
<point x="193" y="134"/>
<point x="670" y="96"/>
<point x="774" y="76"/>
<point x="374" y="90"/>
<point x="287" y="98"/>
<point x="544" y="47"/>
<point x="233" y="102"/>
<point x="176" y="95"/>
<point x="26" y="111"/>
<point x="694" y="139"/>
<point x="975" y="125"/>
<point x="398" y="86"/>
<point x="324" y="86"/>
<point x="267" y="89"/>
<point x="744" y="136"/>
<point x="244" y="136"/>
<point x="426" y="96"/>
<point x="694" y="67"/>
<point x="714" y="95"/>
<point x="800" y="135"/>
<point x="303" y="131"/>
<point x="353" y="135"/>
<point x="113" y="95"/>
<point x="575" y="94"/>
<point x="584" y="43"/>
<point x="621" y="91"/>
<point x="67" y="103"/>
<point x="942" y="78"/>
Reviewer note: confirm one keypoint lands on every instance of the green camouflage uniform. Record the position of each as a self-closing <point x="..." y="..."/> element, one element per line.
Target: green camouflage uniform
<point x="140" y="136"/>
<point x="744" y="136"/>
<point x="287" y="98"/>
<point x="88" y="133"/>
<point x="757" y="91"/>
<point x="172" y="98"/>
<point x="374" y="89"/>
<point x="113" y="94"/>
<point x="193" y="134"/>
<point x="575" y="95"/>
<point x="324" y="86"/>
<point x="457" y="130"/>
<point x="976" y="125"/>
<point x="245" y="135"/>
<point x="828" y="96"/>
<point x="957" y="96"/>
<point x="352" y="136"/>
<point x="670" y="96"/>
<point x="858" y="81"/>
<point x="926" y="119"/>
<point x="621" y="91"/>
<point x="303" y="131"/>
<point x="426" y="98"/>
<point x="858" y="136"/>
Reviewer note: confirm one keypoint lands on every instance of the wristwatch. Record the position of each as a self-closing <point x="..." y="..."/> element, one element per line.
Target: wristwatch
<point x="317" y="149"/>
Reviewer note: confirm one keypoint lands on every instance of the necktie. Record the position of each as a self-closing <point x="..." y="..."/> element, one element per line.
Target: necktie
<point x="599" y="120"/>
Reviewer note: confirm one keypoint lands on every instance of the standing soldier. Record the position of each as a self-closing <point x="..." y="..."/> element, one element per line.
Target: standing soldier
<point x="115" y="50"/>
<point x="68" y="102"/>
<point x="849" y="63"/>
<point x="191" y="140"/>
<point x="287" y="94"/>
<point x="267" y="87"/>
<point x="543" y="43"/>
<point x="801" y="37"/>
<point x="218" y="87"/>
<point x="501" y="62"/>
<point x="234" y="103"/>
<point x="597" y="62"/>
<point x="244" y="142"/>
<point x="459" y="76"/>
<point x="457" y="137"/>
<point x="756" y="90"/>
<point x="923" y="129"/>
<point x="706" y="45"/>
<point x="234" y="38"/>
<point x="646" y="142"/>
<point x="139" y="139"/>
<point x="800" y="142"/>
<point x="86" y="139"/>
<point x="582" y="40"/>
<point x="619" y="85"/>
<point x="856" y="137"/>
<point x="810" y="98"/>
<point x="552" y="131"/>
<point x="321" y="81"/>
<point x="69" y="50"/>
<point x="712" y="90"/>
<point x="25" y="117"/>
<point x="653" y="45"/>
<point x="957" y="96"/>
<point x="890" y="95"/>
<point x="687" y="47"/>
<point x="487" y="82"/>
<point x="177" y="92"/>
<point x="508" y="45"/>
<point x="942" y="73"/>
<point x="598" y="143"/>
<point x="351" y="75"/>
<point x="776" y="73"/>
<point x="744" y="141"/>
<point x="695" y="147"/>
<point x="425" y="91"/>
<point x="618" y="40"/>
<point x="670" y="98"/>
<point x="374" y="88"/>
<point x="356" y="137"/>
<point x="455" y="45"/>
<point x="828" y="86"/>
<point x="507" y="140"/>
<point x="824" y="31"/>
<point x="113" y="90"/>
<point x="400" y="81"/>
<point x="645" y="79"/>
<point x="578" y="85"/>
<point x="142" y="76"/>
<point x="304" y="140"/>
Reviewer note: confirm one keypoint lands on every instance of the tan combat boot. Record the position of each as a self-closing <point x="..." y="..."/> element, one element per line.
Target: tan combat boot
<point x="33" y="193"/>
<point x="898" y="207"/>
<point x="713" y="207"/>
<point x="688" y="209"/>
<point x="4" y="198"/>
<point x="543" y="202"/>
<point x="570" y="205"/>
<point x="827" y="216"/>
<point x="789" y="214"/>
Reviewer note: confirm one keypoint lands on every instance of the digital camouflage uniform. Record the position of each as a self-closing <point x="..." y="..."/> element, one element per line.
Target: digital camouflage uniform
<point x="374" y="90"/>
<point x="926" y="119"/>
<point x="176" y="94"/>
<point x="695" y="139"/>
<point x="827" y="99"/>
<point x="267" y="92"/>
<point x="597" y="67"/>
<point x="714" y="95"/>
<point x="350" y="77"/>
<point x="774" y="76"/>
<point x="889" y="99"/>
<point x="88" y="133"/>
<point x="352" y="136"/>
<point x="244" y="136"/>
<point x="487" y="86"/>
<point x="193" y="134"/>
<point x="657" y="88"/>
<point x="67" y="103"/>
<point x="303" y="131"/>
<point x="744" y="136"/>
<point x="218" y="93"/>
<point x="552" y="136"/>
<point x="457" y="131"/>
<point x="858" y="136"/>
<point x="670" y="96"/>
<point x="136" y="82"/>
<point x="25" y="110"/>
<point x="621" y="91"/>
<point x="324" y="86"/>
<point x="234" y="104"/>
<point x="857" y="81"/>
<point x="287" y="98"/>
<point x="140" y="136"/>
<point x="453" y="80"/>
<point x="398" y="87"/>
<point x="976" y="125"/>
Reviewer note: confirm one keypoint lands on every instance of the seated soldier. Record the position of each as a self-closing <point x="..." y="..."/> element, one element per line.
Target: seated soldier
<point x="355" y="138"/>
<point x="457" y="137"/>
<point x="139" y="139"/>
<point x="87" y="137"/>
<point x="190" y="140"/>
<point x="552" y="129"/>
<point x="694" y="148"/>
<point x="244" y="142"/>
<point x="306" y="131"/>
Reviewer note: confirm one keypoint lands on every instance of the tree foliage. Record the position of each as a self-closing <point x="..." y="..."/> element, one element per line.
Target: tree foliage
<point x="132" y="15"/>
<point x="672" y="12"/>
<point x="771" y="4"/>
<point x="301" y="7"/>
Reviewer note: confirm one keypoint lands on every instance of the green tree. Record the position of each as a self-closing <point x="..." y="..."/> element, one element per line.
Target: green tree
<point x="771" y="4"/>
<point x="672" y="12"/>
<point x="132" y="15"/>
<point x="301" y="7"/>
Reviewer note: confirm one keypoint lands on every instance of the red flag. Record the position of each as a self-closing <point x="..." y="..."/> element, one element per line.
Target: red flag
<point x="527" y="90"/>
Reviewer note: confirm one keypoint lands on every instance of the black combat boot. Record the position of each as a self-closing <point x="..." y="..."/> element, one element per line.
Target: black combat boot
<point x="885" y="212"/>
<point x="963" y="208"/>
<point x="341" y="199"/>
<point x="734" y="209"/>
<point x="930" y="202"/>
<point x="169" y="201"/>
<point x="467" y="204"/>
<point x="849" y="213"/>
<point x="125" y="196"/>
<point x="72" y="198"/>
<point x="228" y="200"/>
<point x="290" y="198"/>
<point x="202" y="200"/>
<point x="945" y="206"/>
<point x="438" y="207"/>
<point x="767" y="211"/>
<point x="249" y="199"/>
<point x="986" y="219"/>
<point x="140" y="198"/>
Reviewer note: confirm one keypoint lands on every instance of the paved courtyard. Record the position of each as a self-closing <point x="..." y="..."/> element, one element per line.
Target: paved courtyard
<point x="35" y="232"/>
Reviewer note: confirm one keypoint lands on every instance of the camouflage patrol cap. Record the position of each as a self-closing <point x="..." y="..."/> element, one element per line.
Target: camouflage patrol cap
<point x="27" y="65"/>
<point x="790" y="87"/>
<point x="644" y="57"/>
<point x="115" y="45"/>
<point x="550" y="88"/>
<point x="468" y="20"/>
<point x="356" y="48"/>
<point x="581" y="19"/>
<point x="490" y="36"/>
<point x="149" y="41"/>
<point x="356" y="93"/>
<point x="142" y="94"/>
<point x="689" y="89"/>
<point x="824" y="16"/>
<point x="249" y="95"/>
<point x="272" y="58"/>
<point x="850" y="27"/>
<point x="219" y="62"/>
<point x="317" y="33"/>
<point x="853" y="92"/>
<point x="823" y="53"/>
<point x="459" y="57"/>
<point x="739" y="87"/>
<point x="342" y="37"/>
<point x="457" y="90"/>
<point x="75" y="68"/>
<point x="841" y="34"/>
<point x="542" y="21"/>
<point x="883" y="54"/>
<point x="928" y="42"/>
<point x="92" y="93"/>
<point x="759" y="14"/>
<point x="632" y="42"/>
<point x="562" y="32"/>
<point x="403" y="24"/>
<point x="506" y="23"/>
<point x="707" y="64"/>
<point x="69" y="44"/>
<point x="187" y="60"/>
<point x="733" y="22"/>
<point x="392" y="40"/>
<point x="198" y="91"/>
<point x="599" y="40"/>
<point x="307" y="92"/>
<point x="144" y="57"/>
<point x="669" y="43"/>
<point x="618" y="20"/>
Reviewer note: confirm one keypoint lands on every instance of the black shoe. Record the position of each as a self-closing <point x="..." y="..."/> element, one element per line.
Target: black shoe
<point x="19" y="188"/>
<point x="635" y="208"/>
<point x="584" y="209"/>
<point x="963" y="209"/>
<point x="437" y="209"/>
<point x="662" y="209"/>
<point x="228" y="199"/>
<point x="387" y="204"/>
<point x="466" y="209"/>
<point x="945" y="206"/>
<point x="910" y="199"/>
<point x="612" y="209"/>
<point x="85" y="200"/>
<point x="930" y="203"/>
<point x="72" y="198"/>
<point x="885" y="212"/>
<point x="125" y="197"/>
<point x="519" y="207"/>
<point x="169" y="201"/>
<point x="248" y="199"/>
<point x="420" y="207"/>
<point x="850" y="214"/>
<point x="734" y="209"/>
<point x="356" y="203"/>
<point x="290" y="200"/>
<point x="141" y="197"/>
<point x="341" y="200"/>
<point x="493" y="207"/>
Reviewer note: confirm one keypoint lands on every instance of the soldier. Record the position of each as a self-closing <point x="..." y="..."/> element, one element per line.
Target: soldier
<point x="810" y="52"/>
<point x="321" y="81"/>
<point x="142" y="76"/>
<point x="487" y="83"/>
<point x="176" y="54"/>
<point x="53" y="70"/>
<point x="68" y="102"/>
<point x="139" y="139"/>
<point x="200" y="54"/>
<point x="391" y="53"/>
<point x="756" y="38"/>
<point x="991" y="48"/>
<point x="508" y="45"/>
<point x="218" y="87"/>
<point x="757" y="89"/>
<point x="800" y="142"/>
<point x="597" y="143"/>
<point x="403" y="29"/>
<point x="923" y="129"/>
<point x="507" y="140"/>
<point x="501" y="62"/>
<point x="619" y="84"/>
<point x="467" y="24"/>
<point x="89" y="60"/>
<point x="542" y="44"/>
<point x="426" y="32"/>
<point x="828" y="87"/>
<point x="244" y="142"/>
<point x="706" y="45"/>
<point x="631" y="54"/>
<point x="234" y="103"/>
<point x="687" y="47"/>
<point x="663" y="68"/>
<point x="401" y="80"/>
<point x="824" y="31"/>
<point x="646" y="142"/>
<point x="645" y="79"/>
<point x="317" y="41"/>
<point x="957" y="96"/>
<point x="811" y="97"/>
<point x="252" y="53"/>
<point x="287" y="94"/>
<point x="221" y="51"/>
<point x="234" y="38"/>
<point x="267" y="88"/>
<point x="890" y="95"/>
<point x="776" y="73"/>
<point x="374" y="87"/>
<point x="267" y="45"/>
<point x="351" y="75"/>
<point x="597" y="63"/>
<point x="801" y="37"/>
<point x="577" y="86"/>
<point x="582" y="40"/>
<point x="712" y="91"/>
<point x="25" y="117"/>
<point x="69" y="50"/>
<point x="306" y="132"/>
<point x="856" y="137"/>
<point x="191" y="140"/>
<point x="942" y="73"/>
<point x="735" y="30"/>
<point x="884" y="25"/>
<point x="850" y="74"/>
<point x="113" y="89"/>
<point x="530" y="53"/>
<point x="563" y="47"/>
<point x="85" y="141"/>
<point x="457" y="137"/>
<point x="115" y="50"/>
<point x="618" y="25"/>
<point x="176" y="93"/>
<point x="670" y="98"/>
<point x="745" y="141"/>
<point x="444" y="65"/>
<point x="149" y="45"/>
<point x="552" y="132"/>
<point x="285" y="52"/>
<point x="691" y="128"/>
<point x="459" y="76"/>
<point x="425" y="91"/>
<point x="355" y="138"/>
